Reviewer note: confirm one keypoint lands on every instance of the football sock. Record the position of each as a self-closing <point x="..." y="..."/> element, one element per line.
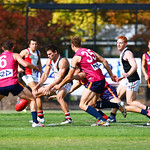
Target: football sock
<point x="67" y="115"/>
<point x="144" y="112"/>
<point x="101" y="112"/>
<point x="40" y="114"/>
<point x="92" y="111"/>
<point x="112" y="115"/>
<point x="106" y="104"/>
<point x="103" y="115"/>
<point x="147" y="107"/>
<point x="34" y="116"/>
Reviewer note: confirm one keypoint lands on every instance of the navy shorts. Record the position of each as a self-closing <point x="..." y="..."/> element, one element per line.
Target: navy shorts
<point x="97" y="87"/>
<point x="14" y="89"/>
<point x="109" y="93"/>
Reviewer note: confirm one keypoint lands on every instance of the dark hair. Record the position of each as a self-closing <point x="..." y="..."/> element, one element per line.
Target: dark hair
<point x="32" y="39"/>
<point x="7" y="45"/>
<point x="76" y="41"/>
<point x="51" y="47"/>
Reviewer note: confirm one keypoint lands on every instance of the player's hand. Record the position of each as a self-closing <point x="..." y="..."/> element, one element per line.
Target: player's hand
<point x="120" y="79"/>
<point x="47" y="90"/>
<point x="56" y="87"/>
<point x="37" y="87"/>
<point x="35" y="69"/>
<point x="146" y="77"/>
<point x="114" y="78"/>
<point x="51" y="97"/>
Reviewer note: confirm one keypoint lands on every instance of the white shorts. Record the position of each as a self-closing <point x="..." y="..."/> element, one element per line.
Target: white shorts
<point x="29" y="78"/>
<point x="67" y="87"/>
<point x="131" y="86"/>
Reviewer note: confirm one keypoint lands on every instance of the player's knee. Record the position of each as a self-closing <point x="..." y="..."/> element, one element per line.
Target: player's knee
<point x="81" y="106"/>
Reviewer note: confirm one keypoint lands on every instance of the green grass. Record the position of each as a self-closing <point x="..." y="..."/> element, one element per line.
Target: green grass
<point x="128" y="133"/>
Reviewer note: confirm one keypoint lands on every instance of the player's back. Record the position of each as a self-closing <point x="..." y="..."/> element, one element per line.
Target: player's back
<point x="90" y="65"/>
<point x="8" y="69"/>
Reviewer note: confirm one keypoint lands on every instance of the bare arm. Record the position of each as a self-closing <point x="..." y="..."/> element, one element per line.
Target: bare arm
<point x="144" y="67"/>
<point x="44" y="75"/>
<point x="40" y="65"/>
<point x="69" y="76"/>
<point x="106" y="65"/>
<point x="19" y="59"/>
<point x="63" y="66"/>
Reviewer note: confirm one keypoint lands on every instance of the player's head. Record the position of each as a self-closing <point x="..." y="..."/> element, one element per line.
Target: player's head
<point x="32" y="44"/>
<point x="75" y="42"/>
<point x="52" y="51"/>
<point x="7" y="45"/>
<point x="121" y="43"/>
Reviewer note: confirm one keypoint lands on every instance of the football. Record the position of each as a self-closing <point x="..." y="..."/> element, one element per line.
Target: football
<point x="21" y="105"/>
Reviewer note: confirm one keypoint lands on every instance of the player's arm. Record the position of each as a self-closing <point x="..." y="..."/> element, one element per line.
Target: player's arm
<point x="130" y="58"/>
<point x="46" y="73"/>
<point x="144" y="67"/>
<point x="40" y="65"/>
<point x="63" y="66"/>
<point x="21" y="61"/>
<point x="73" y="88"/>
<point x="23" y="53"/>
<point x="107" y="67"/>
<point x="75" y="60"/>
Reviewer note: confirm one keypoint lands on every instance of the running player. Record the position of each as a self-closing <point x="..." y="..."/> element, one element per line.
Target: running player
<point x="87" y="60"/>
<point x="9" y="81"/>
<point x="130" y="83"/>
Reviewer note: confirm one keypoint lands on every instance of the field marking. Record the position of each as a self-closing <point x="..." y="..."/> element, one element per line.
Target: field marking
<point x="53" y="124"/>
<point x="134" y="125"/>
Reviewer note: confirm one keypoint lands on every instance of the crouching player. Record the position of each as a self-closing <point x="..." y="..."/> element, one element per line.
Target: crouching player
<point x="9" y="81"/>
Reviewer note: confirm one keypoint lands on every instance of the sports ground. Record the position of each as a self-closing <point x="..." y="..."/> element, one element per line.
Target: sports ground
<point x="128" y="133"/>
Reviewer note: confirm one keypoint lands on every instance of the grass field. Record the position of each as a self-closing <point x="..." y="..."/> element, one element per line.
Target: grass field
<point x="128" y="133"/>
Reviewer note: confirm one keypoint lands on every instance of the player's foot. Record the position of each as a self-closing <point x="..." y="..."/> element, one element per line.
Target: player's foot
<point x="41" y="120"/>
<point x="122" y="109"/>
<point x="147" y="124"/>
<point x="111" y="119"/>
<point x="100" y="123"/>
<point x="37" y="125"/>
<point x="67" y="121"/>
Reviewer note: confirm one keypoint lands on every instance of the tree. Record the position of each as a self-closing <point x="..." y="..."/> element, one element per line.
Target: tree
<point x="12" y="26"/>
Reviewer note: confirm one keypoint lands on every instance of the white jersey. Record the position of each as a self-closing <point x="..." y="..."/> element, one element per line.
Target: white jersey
<point x="54" y="67"/>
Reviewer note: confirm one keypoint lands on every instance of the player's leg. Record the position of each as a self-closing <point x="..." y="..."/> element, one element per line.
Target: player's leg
<point x="93" y="104"/>
<point x="121" y="90"/>
<point x="131" y="96"/>
<point x="41" y="119"/>
<point x="1" y="96"/>
<point x="26" y="94"/>
<point x="64" y="106"/>
<point x="87" y="96"/>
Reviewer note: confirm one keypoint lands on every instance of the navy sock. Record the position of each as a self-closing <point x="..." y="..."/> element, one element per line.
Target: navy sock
<point x="100" y="112"/>
<point x="92" y="111"/>
<point x="112" y="114"/>
<point x="34" y="116"/>
<point x="144" y="112"/>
